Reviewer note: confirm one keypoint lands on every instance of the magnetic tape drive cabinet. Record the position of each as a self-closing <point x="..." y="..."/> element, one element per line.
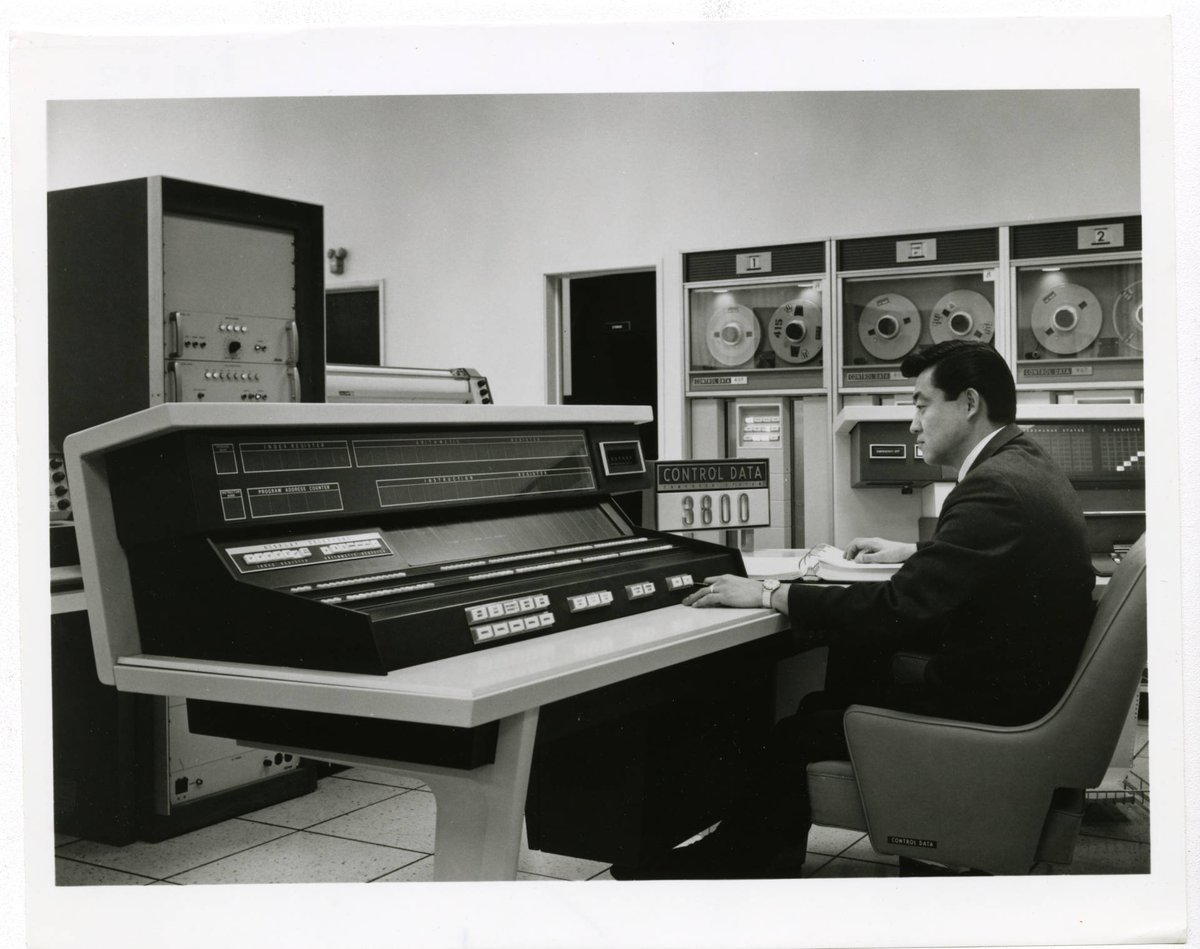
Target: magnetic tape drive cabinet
<point x="758" y="349"/>
<point x="756" y="320"/>
<point x="900" y="292"/>
<point x="1078" y="292"/>
<point x="162" y="290"/>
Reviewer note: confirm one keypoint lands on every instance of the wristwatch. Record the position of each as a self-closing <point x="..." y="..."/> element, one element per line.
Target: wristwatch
<point x="769" y="587"/>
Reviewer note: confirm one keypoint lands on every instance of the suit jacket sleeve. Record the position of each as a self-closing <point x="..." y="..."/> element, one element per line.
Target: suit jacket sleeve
<point x="980" y="529"/>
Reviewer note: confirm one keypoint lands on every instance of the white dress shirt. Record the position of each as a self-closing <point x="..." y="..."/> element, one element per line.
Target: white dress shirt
<point x="974" y="453"/>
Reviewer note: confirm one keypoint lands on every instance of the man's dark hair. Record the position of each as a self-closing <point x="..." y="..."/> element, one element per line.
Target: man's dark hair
<point x="960" y="365"/>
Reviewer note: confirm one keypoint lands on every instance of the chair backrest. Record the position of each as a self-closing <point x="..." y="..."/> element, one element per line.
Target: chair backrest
<point x="1085" y="725"/>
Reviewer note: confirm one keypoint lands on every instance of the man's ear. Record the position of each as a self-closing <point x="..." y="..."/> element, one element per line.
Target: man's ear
<point x="974" y="403"/>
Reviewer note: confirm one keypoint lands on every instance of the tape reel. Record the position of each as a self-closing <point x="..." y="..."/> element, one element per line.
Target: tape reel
<point x="732" y="335"/>
<point x="962" y="314"/>
<point x="1067" y="319"/>
<point x="889" y="326"/>
<point x="1128" y="316"/>
<point x="794" y="330"/>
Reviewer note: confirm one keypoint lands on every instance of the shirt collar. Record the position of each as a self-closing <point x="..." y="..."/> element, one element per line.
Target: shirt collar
<point x="979" y="446"/>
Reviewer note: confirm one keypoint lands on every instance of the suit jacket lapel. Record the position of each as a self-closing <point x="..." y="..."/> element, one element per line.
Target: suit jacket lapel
<point x="1002" y="438"/>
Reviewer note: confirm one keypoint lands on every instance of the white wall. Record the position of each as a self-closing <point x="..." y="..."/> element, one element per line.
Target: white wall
<point x="462" y="203"/>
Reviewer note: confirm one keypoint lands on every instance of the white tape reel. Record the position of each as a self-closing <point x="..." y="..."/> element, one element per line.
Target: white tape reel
<point x="962" y="314"/>
<point x="732" y="336"/>
<point x="889" y="326"/>
<point x="794" y="330"/>
<point x="1129" y="316"/>
<point x="1067" y="319"/>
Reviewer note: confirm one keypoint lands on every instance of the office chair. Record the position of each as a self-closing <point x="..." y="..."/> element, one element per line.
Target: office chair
<point x="999" y="800"/>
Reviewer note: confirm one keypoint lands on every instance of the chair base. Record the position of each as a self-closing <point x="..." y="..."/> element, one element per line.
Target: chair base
<point x="910" y="867"/>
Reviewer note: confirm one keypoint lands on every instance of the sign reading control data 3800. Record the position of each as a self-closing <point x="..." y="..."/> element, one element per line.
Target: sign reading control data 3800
<point x="725" y="494"/>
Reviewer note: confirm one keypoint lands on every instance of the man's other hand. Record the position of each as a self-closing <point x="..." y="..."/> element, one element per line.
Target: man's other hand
<point x="878" y="550"/>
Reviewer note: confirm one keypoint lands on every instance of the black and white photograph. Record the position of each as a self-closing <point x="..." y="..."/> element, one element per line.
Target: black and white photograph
<point x="700" y="479"/>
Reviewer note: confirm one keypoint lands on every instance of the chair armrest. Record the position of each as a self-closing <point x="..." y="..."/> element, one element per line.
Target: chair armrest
<point x="958" y="793"/>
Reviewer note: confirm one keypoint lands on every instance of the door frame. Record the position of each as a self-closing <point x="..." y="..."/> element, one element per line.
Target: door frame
<point x="558" y="329"/>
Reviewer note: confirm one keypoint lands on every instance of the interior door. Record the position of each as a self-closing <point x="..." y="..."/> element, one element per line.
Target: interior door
<point x="614" y="344"/>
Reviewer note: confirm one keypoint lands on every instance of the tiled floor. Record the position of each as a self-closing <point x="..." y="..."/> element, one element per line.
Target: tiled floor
<point x="371" y="826"/>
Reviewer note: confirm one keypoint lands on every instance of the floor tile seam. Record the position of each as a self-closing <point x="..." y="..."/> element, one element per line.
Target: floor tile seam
<point x="1096" y="835"/>
<point x="103" y="866"/>
<point x="376" y="879"/>
<point x="1105" y="871"/>
<point x="360" y="840"/>
<point x="234" y="853"/>
<point x="854" y="843"/>
<point x="827" y="859"/>
<point x="881" y="863"/>
<point x="324" y="820"/>
<point x="378" y="784"/>
<point x="893" y="872"/>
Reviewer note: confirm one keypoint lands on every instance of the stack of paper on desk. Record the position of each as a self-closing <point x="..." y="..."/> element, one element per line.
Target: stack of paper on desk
<point x="822" y="562"/>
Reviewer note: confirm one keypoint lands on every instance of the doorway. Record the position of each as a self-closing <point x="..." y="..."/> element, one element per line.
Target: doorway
<point x="609" y="327"/>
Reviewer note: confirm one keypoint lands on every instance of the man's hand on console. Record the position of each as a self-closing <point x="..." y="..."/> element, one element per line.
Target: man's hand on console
<point x="726" y="590"/>
<point x="878" y="550"/>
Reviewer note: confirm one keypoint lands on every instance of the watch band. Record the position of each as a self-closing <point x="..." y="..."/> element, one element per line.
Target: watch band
<point x="768" y="590"/>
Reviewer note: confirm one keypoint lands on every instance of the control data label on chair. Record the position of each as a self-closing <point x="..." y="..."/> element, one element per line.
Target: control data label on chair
<point x="912" y="842"/>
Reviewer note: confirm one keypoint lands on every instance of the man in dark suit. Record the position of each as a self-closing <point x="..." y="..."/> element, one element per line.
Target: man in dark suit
<point x="1000" y="597"/>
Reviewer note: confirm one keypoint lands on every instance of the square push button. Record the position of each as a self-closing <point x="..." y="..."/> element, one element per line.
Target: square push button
<point x="477" y="614"/>
<point x="680" y="581"/>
